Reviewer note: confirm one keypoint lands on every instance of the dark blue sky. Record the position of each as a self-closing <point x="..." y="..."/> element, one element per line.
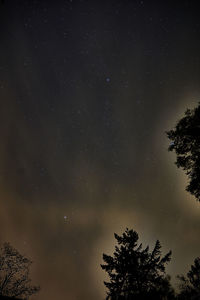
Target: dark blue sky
<point x="87" y="91"/>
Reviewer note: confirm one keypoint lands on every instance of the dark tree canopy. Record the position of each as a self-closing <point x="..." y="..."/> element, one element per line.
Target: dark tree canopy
<point x="190" y="285"/>
<point x="185" y="142"/>
<point x="14" y="274"/>
<point x="136" y="273"/>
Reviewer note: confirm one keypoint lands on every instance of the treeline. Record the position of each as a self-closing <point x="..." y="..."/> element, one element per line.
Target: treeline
<point x="136" y="273"/>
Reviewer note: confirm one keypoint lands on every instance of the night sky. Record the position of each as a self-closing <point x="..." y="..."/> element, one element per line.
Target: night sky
<point x="87" y="91"/>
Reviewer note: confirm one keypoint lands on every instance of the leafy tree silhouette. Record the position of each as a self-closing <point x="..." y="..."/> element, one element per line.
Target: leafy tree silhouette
<point x="190" y="285"/>
<point x="14" y="274"/>
<point x="185" y="142"/>
<point x="136" y="273"/>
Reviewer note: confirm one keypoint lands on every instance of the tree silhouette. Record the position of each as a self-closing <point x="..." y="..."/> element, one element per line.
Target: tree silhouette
<point x="185" y="141"/>
<point x="190" y="285"/>
<point x="14" y="274"/>
<point x="136" y="273"/>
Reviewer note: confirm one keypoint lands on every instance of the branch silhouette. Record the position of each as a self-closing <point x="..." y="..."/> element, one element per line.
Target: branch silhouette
<point x="14" y="274"/>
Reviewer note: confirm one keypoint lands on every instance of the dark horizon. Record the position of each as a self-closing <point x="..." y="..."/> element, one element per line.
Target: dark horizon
<point x="88" y="90"/>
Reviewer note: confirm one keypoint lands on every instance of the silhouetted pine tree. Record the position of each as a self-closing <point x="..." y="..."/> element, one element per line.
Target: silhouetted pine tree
<point x="136" y="273"/>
